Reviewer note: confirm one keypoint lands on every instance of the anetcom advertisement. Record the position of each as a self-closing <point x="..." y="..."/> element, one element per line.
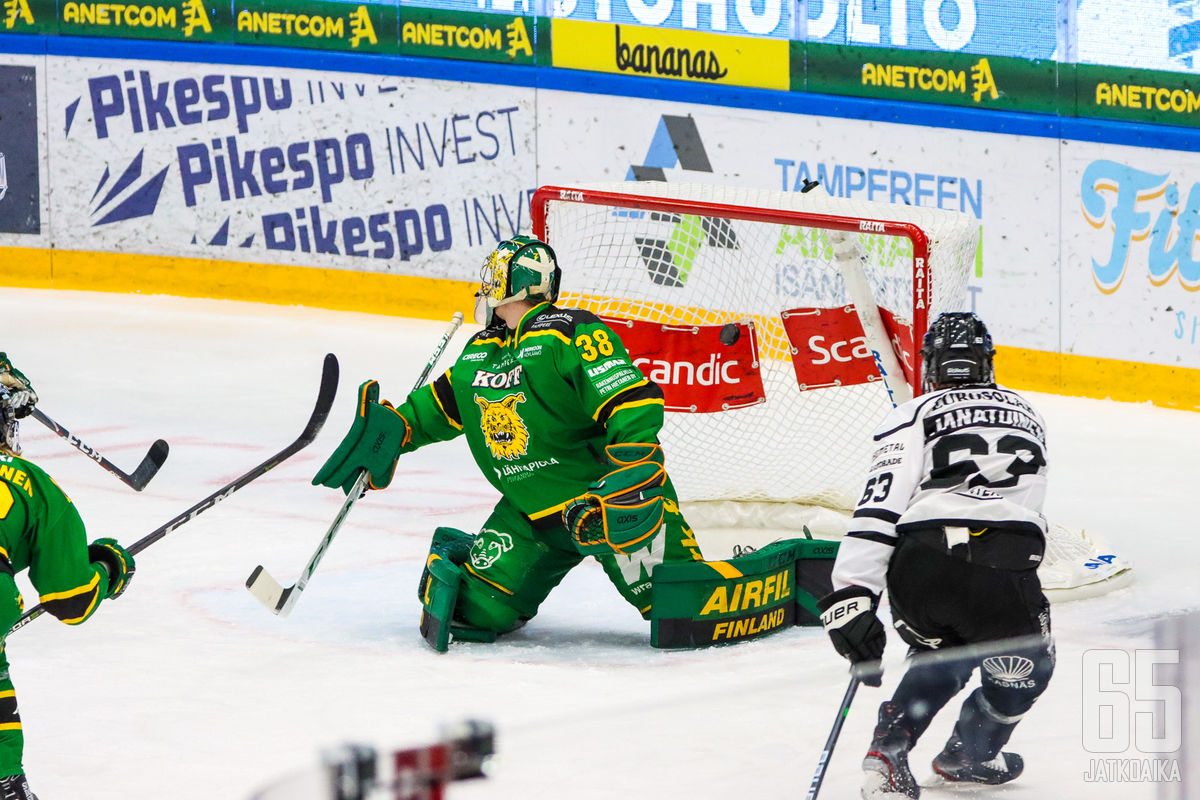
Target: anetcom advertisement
<point x="336" y="170"/>
<point x="1008" y="183"/>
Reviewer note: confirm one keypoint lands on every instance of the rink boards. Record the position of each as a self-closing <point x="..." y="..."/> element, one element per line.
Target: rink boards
<point x="379" y="185"/>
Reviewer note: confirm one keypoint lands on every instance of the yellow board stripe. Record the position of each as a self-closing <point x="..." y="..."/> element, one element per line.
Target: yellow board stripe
<point x="725" y="569"/>
<point x="438" y="298"/>
<point x="3" y="552"/>
<point x="1086" y="376"/>
<point x="9" y="693"/>
<point x="488" y="581"/>
<point x="341" y="289"/>
<point x="10" y="726"/>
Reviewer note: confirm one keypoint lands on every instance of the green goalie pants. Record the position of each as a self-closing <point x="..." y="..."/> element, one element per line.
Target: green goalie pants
<point x="515" y="562"/>
<point x="12" y="740"/>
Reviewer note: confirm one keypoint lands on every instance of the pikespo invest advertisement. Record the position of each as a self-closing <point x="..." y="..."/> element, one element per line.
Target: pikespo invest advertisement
<point x="370" y="173"/>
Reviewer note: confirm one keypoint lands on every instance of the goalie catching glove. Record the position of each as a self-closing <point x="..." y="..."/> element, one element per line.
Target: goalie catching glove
<point x="116" y="560"/>
<point x="856" y="632"/>
<point x="373" y="443"/>
<point x="624" y="509"/>
<point x="21" y="396"/>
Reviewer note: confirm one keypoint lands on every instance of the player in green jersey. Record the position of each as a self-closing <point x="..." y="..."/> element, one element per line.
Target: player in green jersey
<point x="562" y="423"/>
<point x="41" y="531"/>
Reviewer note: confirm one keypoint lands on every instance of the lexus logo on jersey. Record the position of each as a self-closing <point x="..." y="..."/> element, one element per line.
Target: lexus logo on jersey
<point x="700" y="368"/>
<point x="829" y="348"/>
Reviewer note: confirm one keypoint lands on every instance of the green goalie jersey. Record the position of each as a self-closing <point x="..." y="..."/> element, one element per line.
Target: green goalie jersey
<point x="41" y="530"/>
<point x="538" y="405"/>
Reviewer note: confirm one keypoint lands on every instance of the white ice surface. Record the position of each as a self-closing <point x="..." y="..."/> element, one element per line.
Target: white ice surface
<point x="187" y="688"/>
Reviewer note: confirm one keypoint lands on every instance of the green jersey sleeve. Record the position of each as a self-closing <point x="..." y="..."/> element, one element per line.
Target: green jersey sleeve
<point x="610" y="386"/>
<point x="432" y="413"/>
<point x="41" y="529"/>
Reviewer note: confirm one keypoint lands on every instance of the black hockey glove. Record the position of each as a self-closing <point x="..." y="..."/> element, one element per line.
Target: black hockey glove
<point x="856" y="632"/>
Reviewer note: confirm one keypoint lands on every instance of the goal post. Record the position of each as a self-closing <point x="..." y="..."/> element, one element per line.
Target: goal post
<point x="782" y="327"/>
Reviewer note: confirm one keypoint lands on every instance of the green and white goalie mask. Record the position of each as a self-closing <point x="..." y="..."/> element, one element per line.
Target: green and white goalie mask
<point x="520" y="268"/>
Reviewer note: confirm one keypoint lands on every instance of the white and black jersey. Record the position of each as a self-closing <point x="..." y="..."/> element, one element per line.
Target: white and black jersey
<point x="969" y="465"/>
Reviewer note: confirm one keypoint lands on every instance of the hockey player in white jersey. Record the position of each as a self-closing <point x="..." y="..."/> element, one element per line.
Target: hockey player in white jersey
<point x="950" y="522"/>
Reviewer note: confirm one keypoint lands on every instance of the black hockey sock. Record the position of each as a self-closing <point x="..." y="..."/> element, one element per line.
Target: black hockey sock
<point x="982" y="729"/>
<point x="926" y="688"/>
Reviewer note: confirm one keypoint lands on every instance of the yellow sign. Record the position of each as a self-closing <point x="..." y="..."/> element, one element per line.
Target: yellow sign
<point x="17" y="10"/>
<point x="934" y="79"/>
<point x="662" y="53"/>
<point x="1157" y="98"/>
<point x="129" y="15"/>
<point x="195" y="16"/>
<point x="756" y="594"/>
<point x="361" y="28"/>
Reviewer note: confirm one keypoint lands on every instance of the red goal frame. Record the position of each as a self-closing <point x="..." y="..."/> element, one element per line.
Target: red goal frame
<point x="922" y="292"/>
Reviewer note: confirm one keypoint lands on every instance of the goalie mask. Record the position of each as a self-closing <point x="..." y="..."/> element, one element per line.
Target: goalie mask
<point x="957" y="351"/>
<point x="520" y="268"/>
<point x="10" y="442"/>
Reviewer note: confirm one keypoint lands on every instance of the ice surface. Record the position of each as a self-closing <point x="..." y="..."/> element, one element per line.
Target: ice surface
<point x="187" y="688"/>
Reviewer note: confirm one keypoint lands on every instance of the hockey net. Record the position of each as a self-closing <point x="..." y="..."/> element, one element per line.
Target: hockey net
<point x="789" y="367"/>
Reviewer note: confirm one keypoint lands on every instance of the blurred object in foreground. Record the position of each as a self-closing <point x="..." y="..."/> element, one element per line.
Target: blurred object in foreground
<point x="360" y="772"/>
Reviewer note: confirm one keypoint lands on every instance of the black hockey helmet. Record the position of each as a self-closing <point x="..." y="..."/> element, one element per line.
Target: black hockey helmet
<point x="957" y="351"/>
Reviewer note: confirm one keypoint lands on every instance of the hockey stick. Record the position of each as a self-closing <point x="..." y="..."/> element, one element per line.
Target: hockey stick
<point x="827" y="753"/>
<point x="137" y="479"/>
<point x="269" y="591"/>
<point x="329" y="382"/>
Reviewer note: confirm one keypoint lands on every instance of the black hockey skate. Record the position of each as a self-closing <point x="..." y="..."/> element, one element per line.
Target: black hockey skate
<point x="888" y="776"/>
<point x="955" y="764"/>
<point x="15" y="787"/>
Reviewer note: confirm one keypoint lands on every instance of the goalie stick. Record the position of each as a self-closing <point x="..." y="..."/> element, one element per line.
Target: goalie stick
<point x="138" y="479"/>
<point x="269" y="591"/>
<point x="329" y="382"/>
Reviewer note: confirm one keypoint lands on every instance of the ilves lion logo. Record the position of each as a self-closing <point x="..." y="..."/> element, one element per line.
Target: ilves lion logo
<point x="488" y="546"/>
<point x="505" y="431"/>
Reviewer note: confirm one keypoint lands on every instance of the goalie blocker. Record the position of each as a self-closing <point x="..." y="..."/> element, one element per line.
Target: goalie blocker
<point x="702" y="603"/>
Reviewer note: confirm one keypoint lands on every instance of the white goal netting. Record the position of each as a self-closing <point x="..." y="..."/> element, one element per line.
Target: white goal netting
<point x="690" y="255"/>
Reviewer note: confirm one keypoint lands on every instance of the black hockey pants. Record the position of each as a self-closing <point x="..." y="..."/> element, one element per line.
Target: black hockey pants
<point x="940" y="603"/>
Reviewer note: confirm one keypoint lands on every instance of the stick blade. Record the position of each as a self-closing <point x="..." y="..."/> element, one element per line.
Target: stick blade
<point x="150" y="465"/>
<point x="268" y="592"/>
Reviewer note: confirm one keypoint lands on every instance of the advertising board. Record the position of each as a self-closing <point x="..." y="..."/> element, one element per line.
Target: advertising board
<point x="1131" y="264"/>
<point x="1009" y="183"/>
<point x="286" y="166"/>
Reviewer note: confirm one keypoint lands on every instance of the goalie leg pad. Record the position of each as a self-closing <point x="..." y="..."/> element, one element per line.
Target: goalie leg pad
<point x="448" y="543"/>
<point x="444" y="614"/>
<point x="438" y="601"/>
<point x="703" y="603"/>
